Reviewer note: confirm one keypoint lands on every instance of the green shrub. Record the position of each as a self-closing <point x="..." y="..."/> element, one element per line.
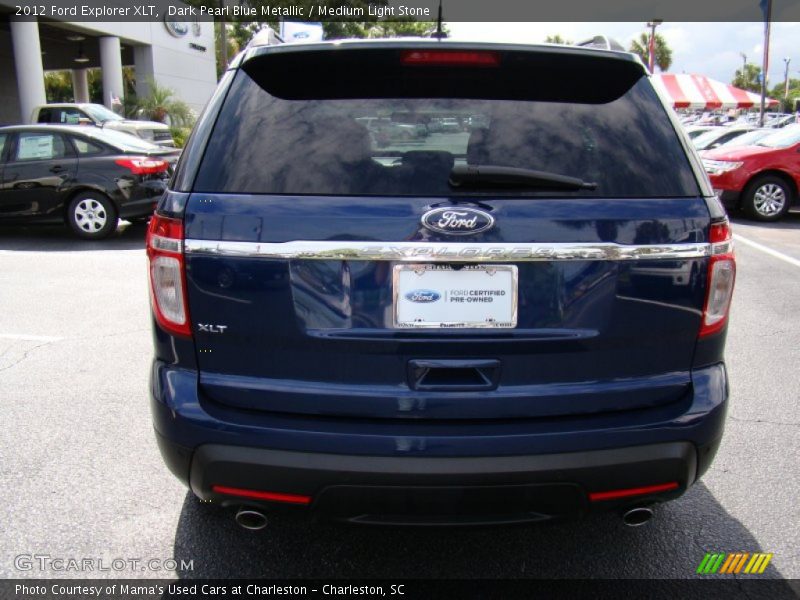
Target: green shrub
<point x="179" y="134"/>
<point x="161" y="105"/>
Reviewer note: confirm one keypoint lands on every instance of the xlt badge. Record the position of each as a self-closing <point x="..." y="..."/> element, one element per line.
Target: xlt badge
<point x="208" y="328"/>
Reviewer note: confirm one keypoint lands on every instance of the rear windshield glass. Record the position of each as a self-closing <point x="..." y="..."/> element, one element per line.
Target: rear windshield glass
<point x="385" y="145"/>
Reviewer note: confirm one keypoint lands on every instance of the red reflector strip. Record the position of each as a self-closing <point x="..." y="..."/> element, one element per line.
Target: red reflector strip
<point x="256" y="495"/>
<point x="640" y="491"/>
<point x="450" y="58"/>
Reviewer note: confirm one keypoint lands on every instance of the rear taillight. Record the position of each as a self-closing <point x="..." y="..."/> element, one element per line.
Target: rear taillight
<point x="450" y="58"/>
<point x="721" y="277"/>
<point x="142" y="165"/>
<point x="167" y="277"/>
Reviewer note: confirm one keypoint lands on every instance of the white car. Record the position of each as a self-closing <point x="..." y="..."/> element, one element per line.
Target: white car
<point x="694" y="130"/>
<point x="99" y="116"/>
<point x="718" y="136"/>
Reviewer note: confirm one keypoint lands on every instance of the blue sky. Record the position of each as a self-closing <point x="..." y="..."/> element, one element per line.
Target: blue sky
<point x="712" y="49"/>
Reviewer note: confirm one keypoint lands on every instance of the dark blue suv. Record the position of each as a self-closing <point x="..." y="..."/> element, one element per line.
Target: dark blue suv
<point x="433" y="282"/>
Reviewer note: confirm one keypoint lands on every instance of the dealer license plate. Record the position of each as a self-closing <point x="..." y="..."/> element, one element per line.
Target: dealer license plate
<point x="430" y="295"/>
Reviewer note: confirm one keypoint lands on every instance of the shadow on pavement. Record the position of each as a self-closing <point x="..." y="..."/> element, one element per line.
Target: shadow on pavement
<point x="790" y="221"/>
<point x="600" y="546"/>
<point x="58" y="238"/>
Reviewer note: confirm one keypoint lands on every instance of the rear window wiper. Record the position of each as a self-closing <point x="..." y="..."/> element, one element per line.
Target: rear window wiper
<point x="492" y="176"/>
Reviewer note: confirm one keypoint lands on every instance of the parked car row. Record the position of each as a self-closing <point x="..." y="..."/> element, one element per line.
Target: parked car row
<point x="746" y="137"/>
<point x="779" y="120"/>
<point x="717" y="136"/>
<point x="753" y="170"/>
<point x="730" y="119"/>
<point x="709" y="138"/>
<point x="762" y="178"/>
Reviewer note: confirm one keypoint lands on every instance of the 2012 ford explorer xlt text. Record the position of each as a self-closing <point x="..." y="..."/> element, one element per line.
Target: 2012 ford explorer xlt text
<point x="512" y="321"/>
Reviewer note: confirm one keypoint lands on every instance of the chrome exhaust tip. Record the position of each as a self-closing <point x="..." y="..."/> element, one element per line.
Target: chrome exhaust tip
<point x="636" y="517"/>
<point x="251" y="519"/>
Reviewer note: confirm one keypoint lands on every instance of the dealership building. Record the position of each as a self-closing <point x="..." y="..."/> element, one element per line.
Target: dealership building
<point x="174" y="53"/>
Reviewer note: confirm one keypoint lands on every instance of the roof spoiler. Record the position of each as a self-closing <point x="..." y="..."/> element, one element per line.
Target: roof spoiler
<point x="602" y="42"/>
<point x="266" y="36"/>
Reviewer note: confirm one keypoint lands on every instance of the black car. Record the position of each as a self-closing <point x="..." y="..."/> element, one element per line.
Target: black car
<point x="85" y="177"/>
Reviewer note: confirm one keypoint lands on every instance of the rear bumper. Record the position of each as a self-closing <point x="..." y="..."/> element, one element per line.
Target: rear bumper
<point x="439" y="491"/>
<point x="424" y="473"/>
<point x="142" y="199"/>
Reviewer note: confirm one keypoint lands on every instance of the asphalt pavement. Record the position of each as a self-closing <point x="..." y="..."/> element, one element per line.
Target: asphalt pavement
<point x="81" y="476"/>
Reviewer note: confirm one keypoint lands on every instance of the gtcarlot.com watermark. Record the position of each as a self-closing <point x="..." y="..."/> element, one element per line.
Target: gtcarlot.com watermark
<point x="62" y="564"/>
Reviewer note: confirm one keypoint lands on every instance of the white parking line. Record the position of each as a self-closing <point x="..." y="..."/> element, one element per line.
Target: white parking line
<point x="29" y="338"/>
<point x="767" y="250"/>
<point x="110" y="253"/>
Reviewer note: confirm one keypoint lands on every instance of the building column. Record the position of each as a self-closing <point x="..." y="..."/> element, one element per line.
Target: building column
<point x="145" y="71"/>
<point x="80" y="85"/>
<point x="111" y="64"/>
<point x="28" y="65"/>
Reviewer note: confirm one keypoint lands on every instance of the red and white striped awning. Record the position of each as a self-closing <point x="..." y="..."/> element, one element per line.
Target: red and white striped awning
<point x="700" y="92"/>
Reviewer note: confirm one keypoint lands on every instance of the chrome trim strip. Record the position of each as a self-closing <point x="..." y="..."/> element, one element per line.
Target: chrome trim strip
<point x="447" y="251"/>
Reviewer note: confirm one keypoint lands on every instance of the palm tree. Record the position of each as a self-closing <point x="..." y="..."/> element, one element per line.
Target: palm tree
<point x="749" y="78"/>
<point x="58" y="86"/>
<point x="663" y="52"/>
<point x="160" y="104"/>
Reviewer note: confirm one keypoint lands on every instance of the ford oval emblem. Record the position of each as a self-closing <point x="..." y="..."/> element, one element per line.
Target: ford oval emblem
<point x="423" y="296"/>
<point x="457" y="220"/>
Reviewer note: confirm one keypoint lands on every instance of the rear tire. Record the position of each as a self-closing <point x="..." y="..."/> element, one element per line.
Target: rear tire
<point x="767" y="198"/>
<point x="92" y="216"/>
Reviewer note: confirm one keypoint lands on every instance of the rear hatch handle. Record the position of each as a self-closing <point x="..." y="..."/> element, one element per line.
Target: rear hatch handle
<point x="453" y="375"/>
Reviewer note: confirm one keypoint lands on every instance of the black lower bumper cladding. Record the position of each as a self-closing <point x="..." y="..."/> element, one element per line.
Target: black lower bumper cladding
<point x="437" y="491"/>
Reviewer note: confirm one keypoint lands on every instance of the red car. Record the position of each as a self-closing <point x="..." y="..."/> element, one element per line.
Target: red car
<point x="763" y="180"/>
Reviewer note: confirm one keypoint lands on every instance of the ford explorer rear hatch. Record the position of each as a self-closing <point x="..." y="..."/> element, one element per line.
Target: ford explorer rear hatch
<point x="440" y="232"/>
